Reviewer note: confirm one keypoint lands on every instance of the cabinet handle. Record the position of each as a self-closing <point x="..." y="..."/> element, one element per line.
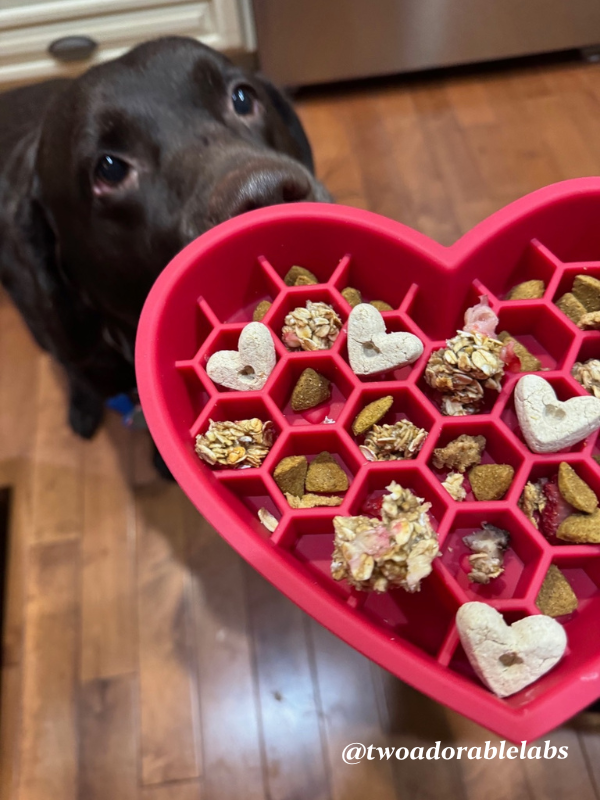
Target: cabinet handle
<point x="73" y="48"/>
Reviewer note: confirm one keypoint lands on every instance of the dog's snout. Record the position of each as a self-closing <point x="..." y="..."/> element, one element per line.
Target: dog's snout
<point x="257" y="186"/>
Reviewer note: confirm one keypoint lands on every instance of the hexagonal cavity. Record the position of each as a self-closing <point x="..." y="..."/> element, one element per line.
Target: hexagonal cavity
<point x="407" y="405"/>
<point x="535" y="263"/>
<point x="394" y="323"/>
<point x="589" y="349"/>
<point x="521" y="561"/>
<point x="248" y="281"/>
<point x="421" y="619"/>
<point x="368" y="284"/>
<point x="500" y="448"/>
<point x="367" y="496"/>
<point x="196" y="394"/>
<point x="233" y="408"/>
<point x="546" y="470"/>
<point x="312" y="442"/>
<point x="248" y="496"/>
<point x="297" y="297"/>
<point x="565" y="284"/>
<point x="542" y="331"/>
<point x="325" y="365"/>
<point x="226" y="338"/>
<point x="322" y="265"/>
<point x="193" y="330"/>
<point x="310" y="540"/>
<point x="565" y="388"/>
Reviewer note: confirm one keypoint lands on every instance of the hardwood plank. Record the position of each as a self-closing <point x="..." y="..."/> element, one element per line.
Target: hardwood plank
<point x="411" y="158"/>
<point x="169" y="724"/>
<point x="13" y="474"/>
<point x="19" y="359"/>
<point x="57" y="494"/>
<point x="337" y="163"/>
<point x="551" y="779"/>
<point x="350" y="714"/>
<point x="181" y="790"/>
<point x="49" y="717"/>
<point x="10" y="722"/>
<point x="501" y="779"/>
<point x="411" y="720"/>
<point x="108" y="624"/>
<point x="108" y="741"/>
<point x="228" y="691"/>
<point x="291" y="735"/>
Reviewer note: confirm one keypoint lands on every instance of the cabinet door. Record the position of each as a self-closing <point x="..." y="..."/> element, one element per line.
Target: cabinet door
<point x="29" y="27"/>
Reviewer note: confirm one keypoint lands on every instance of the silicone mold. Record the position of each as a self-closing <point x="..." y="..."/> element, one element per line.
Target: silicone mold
<point x="201" y="302"/>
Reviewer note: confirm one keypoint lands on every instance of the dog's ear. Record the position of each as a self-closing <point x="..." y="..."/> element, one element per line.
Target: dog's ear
<point x="290" y="119"/>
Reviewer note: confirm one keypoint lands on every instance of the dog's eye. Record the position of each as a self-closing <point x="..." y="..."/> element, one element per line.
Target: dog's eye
<point x="112" y="170"/>
<point x="244" y="100"/>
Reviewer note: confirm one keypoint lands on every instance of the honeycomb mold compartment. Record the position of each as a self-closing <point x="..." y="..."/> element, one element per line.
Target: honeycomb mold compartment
<point x="200" y="304"/>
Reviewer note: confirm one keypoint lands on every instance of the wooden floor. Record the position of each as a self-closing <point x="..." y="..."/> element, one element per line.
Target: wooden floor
<point x="142" y="658"/>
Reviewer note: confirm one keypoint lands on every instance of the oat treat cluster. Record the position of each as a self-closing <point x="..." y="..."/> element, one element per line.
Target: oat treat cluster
<point x="390" y="462"/>
<point x="394" y="551"/>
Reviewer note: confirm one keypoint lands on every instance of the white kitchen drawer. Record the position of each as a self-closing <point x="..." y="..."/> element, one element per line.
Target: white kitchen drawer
<point x="27" y="30"/>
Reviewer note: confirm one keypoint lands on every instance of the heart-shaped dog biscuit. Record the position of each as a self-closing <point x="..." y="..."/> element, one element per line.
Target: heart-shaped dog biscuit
<point x="371" y="349"/>
<point x="507" y="658"/>
<point x="247" y="368"/>
<point x="549" y="424"/>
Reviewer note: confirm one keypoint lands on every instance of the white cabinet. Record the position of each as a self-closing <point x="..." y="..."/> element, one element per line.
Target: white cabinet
<point x="29" y="27"/>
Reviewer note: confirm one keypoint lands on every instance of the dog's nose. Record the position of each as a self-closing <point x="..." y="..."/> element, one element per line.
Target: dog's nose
<point x="256" y="187"/>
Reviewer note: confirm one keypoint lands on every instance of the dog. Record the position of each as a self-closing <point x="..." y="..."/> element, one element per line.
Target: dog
<point x="106" y="177"/>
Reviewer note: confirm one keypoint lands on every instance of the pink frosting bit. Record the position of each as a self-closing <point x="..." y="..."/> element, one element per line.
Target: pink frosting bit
<point x="481" y="319"/>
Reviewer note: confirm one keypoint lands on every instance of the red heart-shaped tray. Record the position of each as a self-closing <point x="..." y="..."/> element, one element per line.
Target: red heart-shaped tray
<point x="204" y="298"/>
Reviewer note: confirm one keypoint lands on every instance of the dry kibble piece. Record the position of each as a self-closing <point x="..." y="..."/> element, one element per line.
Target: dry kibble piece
<point x="529" y="363"/>
<point x="587" y="290"/>
<point x="380" y="305"/>
<point x="325" y="475"/>
<point x="261" y="310"/>
<point x="460" y="454"/>
<point x="575" y="490"/>
<point x="290" y="475"/>
<point x="556" y="598"/>
<point x="371" y="414"/>
<point x="312" y="501"/>
<point x="571" y="306"/>
<point x="299" y="276"/>
<point x="311" y="390"/>
<point x="581" y="528"/>
<point x="491" y="481"/>
<point x="352" y="296"/>
<point x="590" y="321"/>
<point x="528" y="290"/>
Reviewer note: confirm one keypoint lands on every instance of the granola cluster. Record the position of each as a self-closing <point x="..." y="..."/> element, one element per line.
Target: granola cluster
<point x="236" y="445"/>
<point x="401" y="440"/>
<point x="470" y="363"/>
<point x="315" y="327"/>
<point x="587" y="373"/>
<point x="394" y="551"/>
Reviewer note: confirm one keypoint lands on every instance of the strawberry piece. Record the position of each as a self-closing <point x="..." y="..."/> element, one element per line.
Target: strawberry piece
<point x="555" y="511"/>
<point x="372" y="507"/>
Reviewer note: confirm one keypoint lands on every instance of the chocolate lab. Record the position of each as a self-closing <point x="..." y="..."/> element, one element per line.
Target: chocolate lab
<point x="103" y="179"/>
